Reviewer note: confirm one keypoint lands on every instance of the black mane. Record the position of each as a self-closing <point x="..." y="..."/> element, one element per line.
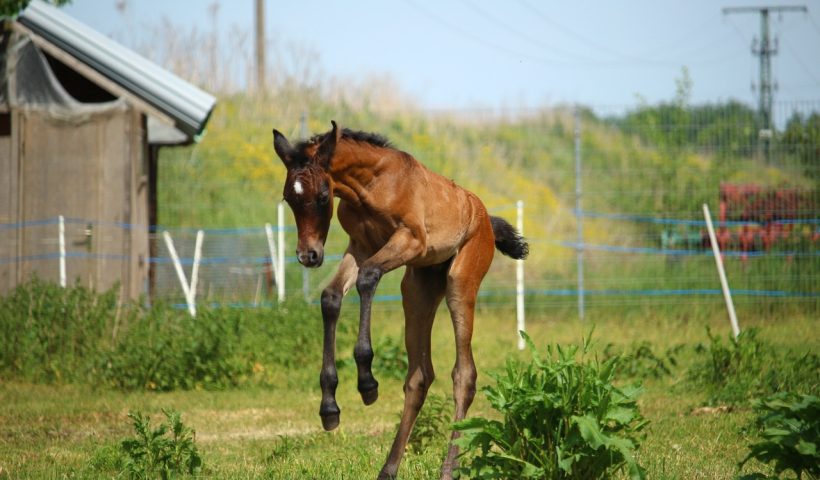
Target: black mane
<point x="356" y="135"/>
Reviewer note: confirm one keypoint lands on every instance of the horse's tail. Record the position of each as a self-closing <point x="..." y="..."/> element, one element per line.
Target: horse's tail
<point x="508" y="240"/>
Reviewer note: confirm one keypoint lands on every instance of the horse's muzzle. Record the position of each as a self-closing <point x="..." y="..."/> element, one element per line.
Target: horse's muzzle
<point x="310" y="257"/>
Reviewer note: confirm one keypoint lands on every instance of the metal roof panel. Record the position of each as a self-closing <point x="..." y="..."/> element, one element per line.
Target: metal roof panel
<point x="187" y="104"/>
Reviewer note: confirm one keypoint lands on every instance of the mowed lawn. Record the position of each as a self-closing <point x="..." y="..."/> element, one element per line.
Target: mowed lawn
<point x="73" y="431"/>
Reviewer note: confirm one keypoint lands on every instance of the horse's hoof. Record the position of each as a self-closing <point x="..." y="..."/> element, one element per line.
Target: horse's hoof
<point x="330" y="421"/>
<point x="370" y="396"/>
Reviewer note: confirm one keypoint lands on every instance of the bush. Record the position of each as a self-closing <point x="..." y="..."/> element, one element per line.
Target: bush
<point x="168" y="350"/>
<point x="790" y="427"/>
<point x="641" y="361"/>
<point x="562" y="418"/>
<point x="747" y="367"/>
<point x="163" y="452"/>
<point x="71" y="335"/>
<point x="432" y="425"/>
<point x="52" y="334"/>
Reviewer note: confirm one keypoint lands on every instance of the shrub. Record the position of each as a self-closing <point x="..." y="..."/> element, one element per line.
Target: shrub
<point x="747" y="367"/>
<point x="562" y="418"/>
<point x="432" y="425"/>
<point x="641" y="361"/>
<point x="168" y="350"/>
<point x="163" y="452"/>
<point x="51" y="334"/>
<point x="390" y="359"/>
<point x="790" y="427"/>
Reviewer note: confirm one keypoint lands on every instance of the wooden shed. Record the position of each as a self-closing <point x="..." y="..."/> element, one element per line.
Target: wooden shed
<point x="82" y="119"/>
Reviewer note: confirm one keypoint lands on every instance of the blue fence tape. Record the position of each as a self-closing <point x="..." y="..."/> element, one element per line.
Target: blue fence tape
<point x="693" y="223"/>
<point x="558" y="292"/>
<point x="681" y="252"/>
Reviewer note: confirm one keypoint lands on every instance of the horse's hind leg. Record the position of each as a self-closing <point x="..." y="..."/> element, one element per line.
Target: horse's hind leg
<point x="422" y="291"/>
<point x="463" y="281"/>
<point x="331" y="305"/>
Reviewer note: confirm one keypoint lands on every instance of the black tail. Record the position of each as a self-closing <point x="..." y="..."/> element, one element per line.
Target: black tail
<point x="508" y="240"/>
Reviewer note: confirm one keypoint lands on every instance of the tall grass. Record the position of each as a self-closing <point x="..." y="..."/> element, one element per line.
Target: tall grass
<point x="73" y="335"/>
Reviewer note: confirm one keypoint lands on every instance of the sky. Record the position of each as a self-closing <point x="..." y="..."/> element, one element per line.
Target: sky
<point x="451" y="54"/>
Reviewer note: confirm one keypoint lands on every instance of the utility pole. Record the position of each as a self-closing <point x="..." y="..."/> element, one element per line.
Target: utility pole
<point x="765" y="49"/>
<point x="260" y="47"/>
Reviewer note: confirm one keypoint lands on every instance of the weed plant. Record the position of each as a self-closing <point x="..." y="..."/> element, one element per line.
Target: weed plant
<point x="167" y="451"/>
<point x="563" y="418"/>
<point x="50" y="334"/>
<point x="789" y="425"/>
<point x="433" y="425"/>
<point x="746" y="367"/>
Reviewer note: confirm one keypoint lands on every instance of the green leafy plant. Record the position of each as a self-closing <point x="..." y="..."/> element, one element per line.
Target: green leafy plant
<point x="169" y="350"/>
<point x="390" y="359"/>
<point x="641" y="361"/>
<point x="746" y="367"/>
<point x="432" y="424"/>
<point x="163" y="452"/>
<point x="51" y="334"/>
<point x="563" y="418"/>
<point x="790" y="427"/>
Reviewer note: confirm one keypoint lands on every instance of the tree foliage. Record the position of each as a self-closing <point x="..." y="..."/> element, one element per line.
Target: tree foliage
<point x="10" y="8"/>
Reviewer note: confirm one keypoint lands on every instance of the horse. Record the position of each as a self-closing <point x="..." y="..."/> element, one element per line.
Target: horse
<point x="396" y="213"/>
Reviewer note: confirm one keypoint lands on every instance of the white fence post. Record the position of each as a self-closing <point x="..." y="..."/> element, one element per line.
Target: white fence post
<point x="195" y="269"/>
<point x="519" y="280"/>
<point x="280" y="219"/>
<point x="61" y="230"/>
<point x="579" y="216"/>
<point x="190" y="294"/>
<point x="724" y="284"/>
<point x="277" y="251"/>
<point x="274" y="263"/>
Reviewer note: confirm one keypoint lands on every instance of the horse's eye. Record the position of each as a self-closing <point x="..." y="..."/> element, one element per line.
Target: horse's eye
<point x="324" y="197"/>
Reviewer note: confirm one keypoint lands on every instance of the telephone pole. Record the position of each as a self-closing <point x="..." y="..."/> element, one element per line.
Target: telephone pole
<point x="765" y="49"/>
<point x="260" y="47"/>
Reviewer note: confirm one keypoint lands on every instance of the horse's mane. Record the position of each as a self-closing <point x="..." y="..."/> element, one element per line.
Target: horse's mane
<point x="357" y="136"/>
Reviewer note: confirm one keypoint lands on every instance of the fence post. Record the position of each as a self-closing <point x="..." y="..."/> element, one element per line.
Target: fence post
<point x="579" y="216"/>
<point x="195" y="270"/>
<point x="61" y="241"/>
<point x="519" y="279"/>
<point x="280" y="216"/>
<point x="183" y="282"/>
<point x="724" y="284"/>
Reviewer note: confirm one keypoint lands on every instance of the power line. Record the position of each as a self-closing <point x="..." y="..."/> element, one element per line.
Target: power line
<point x="575" y="34"/>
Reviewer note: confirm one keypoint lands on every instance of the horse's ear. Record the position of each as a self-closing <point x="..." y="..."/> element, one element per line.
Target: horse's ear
<point x="282" y="147"/>
<point x="328" y="147"/>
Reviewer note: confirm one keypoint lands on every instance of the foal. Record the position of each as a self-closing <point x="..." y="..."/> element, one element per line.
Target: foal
<point x="396" y="213"/>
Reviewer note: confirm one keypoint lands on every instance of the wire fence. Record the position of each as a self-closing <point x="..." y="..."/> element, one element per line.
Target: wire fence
<point x="612" y="212"/>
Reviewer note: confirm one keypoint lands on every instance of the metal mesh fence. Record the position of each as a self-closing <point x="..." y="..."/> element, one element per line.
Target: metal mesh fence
<point x="640" y="178"/>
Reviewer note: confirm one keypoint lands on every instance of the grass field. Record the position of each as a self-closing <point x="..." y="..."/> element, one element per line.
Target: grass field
<point x="73" y="431"/>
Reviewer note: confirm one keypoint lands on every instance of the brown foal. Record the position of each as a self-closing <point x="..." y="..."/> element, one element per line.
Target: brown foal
<point x="396" y="213"/>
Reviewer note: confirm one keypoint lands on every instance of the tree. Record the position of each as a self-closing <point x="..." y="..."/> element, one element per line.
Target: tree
<point x="10" y="8"/>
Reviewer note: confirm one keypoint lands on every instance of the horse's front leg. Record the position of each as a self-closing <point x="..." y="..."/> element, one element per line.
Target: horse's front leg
<point x="402" y="247"/>
<point x="331" y="306"/>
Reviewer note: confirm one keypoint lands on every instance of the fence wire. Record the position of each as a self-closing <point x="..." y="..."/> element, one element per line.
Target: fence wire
<point x="644" y="174"/>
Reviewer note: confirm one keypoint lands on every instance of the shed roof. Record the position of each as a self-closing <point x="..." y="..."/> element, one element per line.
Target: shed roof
<point x="188" y="106"/>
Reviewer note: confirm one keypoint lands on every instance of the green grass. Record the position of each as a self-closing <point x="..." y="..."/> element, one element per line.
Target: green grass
<point x="69" y="430"/>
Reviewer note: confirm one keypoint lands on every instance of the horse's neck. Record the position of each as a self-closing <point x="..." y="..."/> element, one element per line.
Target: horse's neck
<point x="355" y="168"/>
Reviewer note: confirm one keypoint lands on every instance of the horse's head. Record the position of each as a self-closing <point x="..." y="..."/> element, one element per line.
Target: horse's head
<point x="309" y="190"/>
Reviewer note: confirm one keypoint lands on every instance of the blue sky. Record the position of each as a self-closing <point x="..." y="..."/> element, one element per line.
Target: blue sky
<point x="480" y="53"/>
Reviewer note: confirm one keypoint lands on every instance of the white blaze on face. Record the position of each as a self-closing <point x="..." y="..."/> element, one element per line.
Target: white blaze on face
<point x="297" y="187"/>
